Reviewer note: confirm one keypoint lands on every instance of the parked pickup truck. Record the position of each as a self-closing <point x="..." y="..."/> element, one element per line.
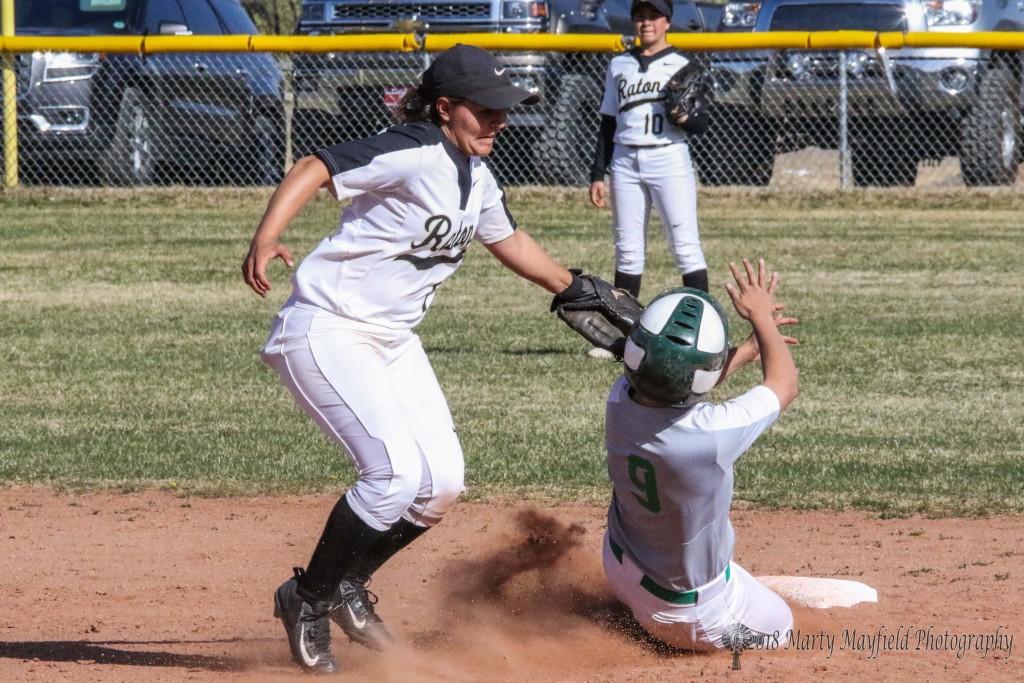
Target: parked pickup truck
<point x="904" y="106"/>
<point x="345" y="95"/>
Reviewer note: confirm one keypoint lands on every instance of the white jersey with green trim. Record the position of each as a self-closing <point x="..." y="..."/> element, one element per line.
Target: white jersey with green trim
<point x="672" y="477"/>
<point x="417" y="204"/>
<point x="634" y="93"/>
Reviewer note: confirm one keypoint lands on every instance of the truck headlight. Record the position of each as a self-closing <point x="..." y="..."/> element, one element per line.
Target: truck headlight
<point x="740" y="14"/>
<point x="68" y="66"/>
<point x="856" y="63"/>
<point x="951" y="12"/>
<point x="524" y="9"/>
<point x="313" y="11"/>
<point x="588" y="8"/>
<point x="954" y="79"/>
<point x="798" y="64"/>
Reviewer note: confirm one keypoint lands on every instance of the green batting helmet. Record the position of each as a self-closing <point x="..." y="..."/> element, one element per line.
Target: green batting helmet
<point x="676" y="351"/>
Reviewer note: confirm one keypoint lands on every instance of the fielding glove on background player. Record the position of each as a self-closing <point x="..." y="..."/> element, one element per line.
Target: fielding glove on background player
<point x="686" y="98"/>
<point x="597" y="311"/>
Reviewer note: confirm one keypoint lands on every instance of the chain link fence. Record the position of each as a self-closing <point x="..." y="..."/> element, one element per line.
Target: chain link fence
<point x="125" y="119"/>
<point x="782" y="119"/>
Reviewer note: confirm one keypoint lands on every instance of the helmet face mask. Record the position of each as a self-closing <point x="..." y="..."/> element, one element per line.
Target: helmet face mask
<point x="676" y="351"/>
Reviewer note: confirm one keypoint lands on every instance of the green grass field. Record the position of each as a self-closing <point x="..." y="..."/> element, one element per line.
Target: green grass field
<point x="130" y="347"/>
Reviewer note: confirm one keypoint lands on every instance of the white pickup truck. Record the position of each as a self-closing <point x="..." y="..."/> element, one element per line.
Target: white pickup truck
<point x="902" y="107"/>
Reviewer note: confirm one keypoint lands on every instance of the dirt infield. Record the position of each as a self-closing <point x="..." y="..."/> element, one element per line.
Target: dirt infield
<point x="153" y="587"/>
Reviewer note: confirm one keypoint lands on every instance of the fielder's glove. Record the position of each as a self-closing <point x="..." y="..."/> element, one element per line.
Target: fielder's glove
<point x="599" y="312"/>
<point x="686" y="98"/>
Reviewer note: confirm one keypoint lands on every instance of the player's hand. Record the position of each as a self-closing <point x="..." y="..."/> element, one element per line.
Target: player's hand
<point x="597" y="193"/>
<point x="780" y="322"/>
<point x="753" y="295"/>
<point x="254" y="267"/>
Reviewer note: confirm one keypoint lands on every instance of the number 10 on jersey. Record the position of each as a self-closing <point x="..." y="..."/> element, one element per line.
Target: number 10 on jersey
<point x="654" y="124"/>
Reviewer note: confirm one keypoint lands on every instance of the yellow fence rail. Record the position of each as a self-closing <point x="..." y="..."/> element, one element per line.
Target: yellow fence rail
<point x="406" y="42"/>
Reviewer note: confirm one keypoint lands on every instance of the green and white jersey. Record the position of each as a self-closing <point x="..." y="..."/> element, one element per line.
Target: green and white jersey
<point x="672" y="477"/>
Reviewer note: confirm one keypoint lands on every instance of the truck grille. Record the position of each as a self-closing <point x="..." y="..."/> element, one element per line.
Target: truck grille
<point x="422" y="11"/>
<point x="839" y="17"/>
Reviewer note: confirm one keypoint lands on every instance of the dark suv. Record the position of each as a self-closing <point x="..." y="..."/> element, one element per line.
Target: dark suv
<point x="133" y="120"/>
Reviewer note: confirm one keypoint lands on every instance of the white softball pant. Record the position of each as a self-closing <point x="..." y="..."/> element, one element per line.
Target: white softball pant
<point x="724" y="602"/>
<point x="376" y="395"/>
<point x="663" y="175"/>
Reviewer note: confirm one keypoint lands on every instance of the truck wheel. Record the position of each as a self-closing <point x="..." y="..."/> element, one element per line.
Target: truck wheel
<point x="738" y="148"/>
<point x="991" y="146"/>
<point x="564" y="153"/>
<point x="880" y="156"/>
<point x="130" y="159"/>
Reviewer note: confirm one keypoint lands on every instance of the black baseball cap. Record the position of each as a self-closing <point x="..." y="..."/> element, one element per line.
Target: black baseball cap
<point x="662" y="6"/>
<point x="475" y="74"/>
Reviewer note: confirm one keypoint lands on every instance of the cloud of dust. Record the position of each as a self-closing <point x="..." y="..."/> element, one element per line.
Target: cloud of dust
<point x="533" y="605"/>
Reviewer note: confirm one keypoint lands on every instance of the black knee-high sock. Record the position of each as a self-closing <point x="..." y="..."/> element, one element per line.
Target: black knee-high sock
<point x="698" y="279"/>
<point x="345" y="539"/>
<point x="630" y="283"/>
<point x="401" y="534"/>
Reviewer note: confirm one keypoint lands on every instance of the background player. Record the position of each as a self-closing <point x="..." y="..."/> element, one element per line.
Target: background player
<point x="344" y="344"/>
<point x="669" y="545"/>
<point x="647" y="158"/>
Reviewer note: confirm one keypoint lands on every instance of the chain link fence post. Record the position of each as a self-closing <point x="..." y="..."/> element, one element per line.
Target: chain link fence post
<point x="844" y="124"/>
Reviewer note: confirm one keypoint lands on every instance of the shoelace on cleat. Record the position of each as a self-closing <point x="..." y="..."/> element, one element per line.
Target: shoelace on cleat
<point x="319" y="632"/>
<point x="362" y="599"/>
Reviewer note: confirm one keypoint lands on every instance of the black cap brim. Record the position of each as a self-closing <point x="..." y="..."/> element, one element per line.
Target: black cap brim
<point x="503" y="97"/>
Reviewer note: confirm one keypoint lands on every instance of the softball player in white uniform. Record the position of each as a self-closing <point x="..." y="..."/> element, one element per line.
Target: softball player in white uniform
<point x="669" y="545"/>
<point x="646" y="157"/>
<point x="344" y="344"/>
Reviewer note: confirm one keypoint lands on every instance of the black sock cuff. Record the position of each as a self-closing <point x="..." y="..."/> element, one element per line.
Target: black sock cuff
<point x="628" y="282"/>
<point x="697" y="279"/>
<point x="345" y="539"/>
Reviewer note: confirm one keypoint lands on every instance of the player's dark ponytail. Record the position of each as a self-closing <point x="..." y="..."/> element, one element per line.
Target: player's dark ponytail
<point x="412" y="107"/>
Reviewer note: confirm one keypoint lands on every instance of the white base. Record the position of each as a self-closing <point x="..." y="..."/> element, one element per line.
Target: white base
<point x="820" y="593"/>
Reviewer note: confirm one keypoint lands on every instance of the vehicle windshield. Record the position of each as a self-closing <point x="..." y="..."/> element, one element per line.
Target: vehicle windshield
<point x="90" y="16"/>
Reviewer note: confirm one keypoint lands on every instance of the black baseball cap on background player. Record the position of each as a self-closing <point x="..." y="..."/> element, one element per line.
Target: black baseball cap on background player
<point x="475" y="74"/>
<point x="662" y="6"/>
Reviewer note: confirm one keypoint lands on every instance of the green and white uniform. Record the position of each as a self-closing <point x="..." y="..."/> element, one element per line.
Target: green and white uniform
<point x="669" y="547"/>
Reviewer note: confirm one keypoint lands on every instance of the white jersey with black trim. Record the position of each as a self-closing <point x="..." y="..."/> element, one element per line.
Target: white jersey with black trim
<point x="672" y="477"/>
<point x="634" y="93"/>
<point x="417" y="203"/>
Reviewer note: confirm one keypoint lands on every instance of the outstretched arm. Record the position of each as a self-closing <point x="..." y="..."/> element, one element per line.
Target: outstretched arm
<point x="754" y="302"/>
<point x="589" y="305"/>
<point x="747" y="352"/>
<point x="520" y="254"/>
